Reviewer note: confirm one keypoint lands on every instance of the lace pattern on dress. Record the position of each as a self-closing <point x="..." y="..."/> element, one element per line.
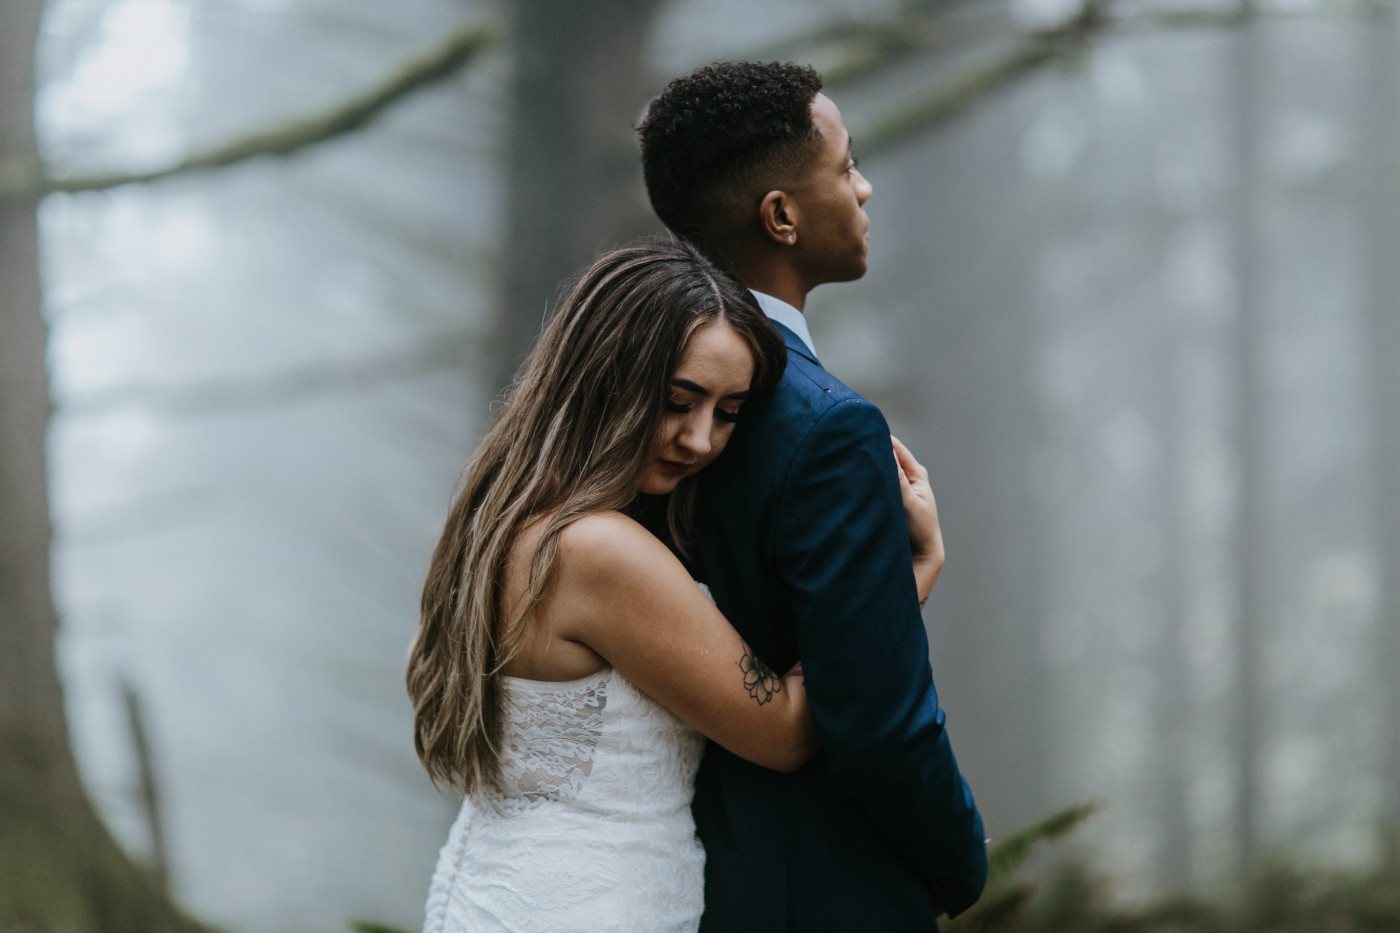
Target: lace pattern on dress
<point x="589" y="830"/>
<point x="553" y="737"/>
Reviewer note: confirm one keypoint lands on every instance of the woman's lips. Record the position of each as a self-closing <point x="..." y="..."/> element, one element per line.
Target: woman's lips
<point x="675" y="467"/>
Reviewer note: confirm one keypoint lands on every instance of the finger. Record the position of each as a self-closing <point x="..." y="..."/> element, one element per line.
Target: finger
<point x="907" y="461"/>
<point x="902" y="456"/>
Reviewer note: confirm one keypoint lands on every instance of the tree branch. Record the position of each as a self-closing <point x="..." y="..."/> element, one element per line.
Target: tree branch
<point x="846" y="52"/>
<point x="881" y="50"/>
<point x="22" y="178"/>
<point x="951" y="97"/>
<point x="847" y="49"/>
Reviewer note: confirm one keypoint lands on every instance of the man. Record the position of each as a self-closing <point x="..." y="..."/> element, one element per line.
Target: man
<point x="802" y="539"/>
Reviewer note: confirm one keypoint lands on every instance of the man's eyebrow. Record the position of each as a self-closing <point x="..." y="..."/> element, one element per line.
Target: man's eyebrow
<point x="698" y="389"/>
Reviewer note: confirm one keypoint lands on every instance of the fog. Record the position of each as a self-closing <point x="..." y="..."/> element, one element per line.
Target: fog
<point x="1131" y="301"/>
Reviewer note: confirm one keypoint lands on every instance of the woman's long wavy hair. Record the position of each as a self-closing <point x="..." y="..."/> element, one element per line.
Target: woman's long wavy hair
<point x="573" y="436"/>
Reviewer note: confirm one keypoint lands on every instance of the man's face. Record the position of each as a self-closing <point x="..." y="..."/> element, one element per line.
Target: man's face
<point x="833" y="231"/>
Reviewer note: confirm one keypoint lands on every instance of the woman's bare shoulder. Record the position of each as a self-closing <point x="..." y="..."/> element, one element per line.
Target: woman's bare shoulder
<point x="610" y="566"/>
<point x="602" y="561"/>
<point x="610" y="546"/>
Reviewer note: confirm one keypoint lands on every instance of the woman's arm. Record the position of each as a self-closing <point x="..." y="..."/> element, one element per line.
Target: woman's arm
<point x="619" y="591"/>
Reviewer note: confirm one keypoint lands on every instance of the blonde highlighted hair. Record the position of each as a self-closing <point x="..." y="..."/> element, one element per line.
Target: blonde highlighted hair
<point x="571" y="438"/>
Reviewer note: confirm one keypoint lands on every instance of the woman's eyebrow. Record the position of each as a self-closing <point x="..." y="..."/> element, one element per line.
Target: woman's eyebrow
<point x="698" y="389"/>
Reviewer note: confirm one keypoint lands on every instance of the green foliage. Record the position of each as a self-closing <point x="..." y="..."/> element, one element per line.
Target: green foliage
<point x="1007" y="896"/>
<point x="1075" y="900"/>
<point x="1011" y="853"/>
<point x="369" y="926"/>
<point x="1289" y="899"/>
<point x="1282" y="898"/>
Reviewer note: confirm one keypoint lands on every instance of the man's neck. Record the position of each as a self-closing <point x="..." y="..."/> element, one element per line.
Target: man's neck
<point x="774" y="279"/>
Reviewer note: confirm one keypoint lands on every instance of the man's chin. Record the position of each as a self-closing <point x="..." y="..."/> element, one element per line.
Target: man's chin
<point x="834" y="274"/>
<point x="855" y="272"/>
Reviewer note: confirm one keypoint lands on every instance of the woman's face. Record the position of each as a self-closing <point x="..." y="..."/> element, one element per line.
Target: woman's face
<point x="706" y="391"/>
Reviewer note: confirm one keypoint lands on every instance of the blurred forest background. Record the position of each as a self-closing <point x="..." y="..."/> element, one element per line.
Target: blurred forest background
<point x="1133" y="300"/>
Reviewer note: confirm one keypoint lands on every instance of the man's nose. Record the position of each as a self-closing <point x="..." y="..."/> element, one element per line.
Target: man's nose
<point x="863" y="188"/>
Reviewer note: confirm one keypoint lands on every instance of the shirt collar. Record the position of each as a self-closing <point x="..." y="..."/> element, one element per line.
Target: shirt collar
<point x="786" y="315"/>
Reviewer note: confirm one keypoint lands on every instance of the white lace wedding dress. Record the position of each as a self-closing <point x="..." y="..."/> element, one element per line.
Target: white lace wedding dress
<point x="593" y="832"/>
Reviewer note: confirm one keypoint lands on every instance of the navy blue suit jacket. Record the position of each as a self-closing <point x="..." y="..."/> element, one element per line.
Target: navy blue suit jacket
<point x="801" y="535"/>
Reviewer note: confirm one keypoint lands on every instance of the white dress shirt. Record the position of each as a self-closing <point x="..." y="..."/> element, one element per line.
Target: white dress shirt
<point x="786" y="315"/>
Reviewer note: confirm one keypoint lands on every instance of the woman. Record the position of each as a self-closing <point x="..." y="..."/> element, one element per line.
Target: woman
<point x="567" y="669"/>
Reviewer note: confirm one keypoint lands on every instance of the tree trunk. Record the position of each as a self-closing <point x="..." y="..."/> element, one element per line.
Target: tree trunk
<point x="575" y="172"/>
<point x="1250" y="438"/>
<point x="983" y="426"/>
<point x="1382" y="225"/>
<point x="1171" y="704"/>
<point x="59" y="868"/>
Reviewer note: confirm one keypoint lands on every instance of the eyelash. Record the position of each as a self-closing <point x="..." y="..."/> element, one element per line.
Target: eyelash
<point x="730" y="416"/>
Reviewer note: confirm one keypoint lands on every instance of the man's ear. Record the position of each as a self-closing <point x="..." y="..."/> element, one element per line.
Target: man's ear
<point x="777" y="213"/>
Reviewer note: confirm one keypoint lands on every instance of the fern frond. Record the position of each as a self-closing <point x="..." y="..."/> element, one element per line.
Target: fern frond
<point x="1009" y="854"/>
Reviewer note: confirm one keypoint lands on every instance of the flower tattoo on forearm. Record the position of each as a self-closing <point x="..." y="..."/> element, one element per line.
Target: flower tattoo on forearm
<point x="759" y="679"/>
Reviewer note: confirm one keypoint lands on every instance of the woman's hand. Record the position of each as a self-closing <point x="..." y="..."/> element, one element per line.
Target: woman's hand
<point x="925" y="535"/>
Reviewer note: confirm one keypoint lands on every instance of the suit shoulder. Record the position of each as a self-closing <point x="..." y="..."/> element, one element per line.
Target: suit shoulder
<point x="809" y="395"/>
<point x="808" y="406"/>
<point x="809" y="379"/>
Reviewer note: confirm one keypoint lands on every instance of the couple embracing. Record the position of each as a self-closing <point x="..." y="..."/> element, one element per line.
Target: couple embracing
<point x="765" y="750"/>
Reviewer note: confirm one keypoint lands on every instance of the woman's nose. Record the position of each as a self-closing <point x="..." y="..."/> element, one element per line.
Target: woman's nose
<point x="695" y="436"/>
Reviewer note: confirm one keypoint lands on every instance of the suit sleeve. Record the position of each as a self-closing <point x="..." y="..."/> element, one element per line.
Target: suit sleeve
<point x="842" y="547"/>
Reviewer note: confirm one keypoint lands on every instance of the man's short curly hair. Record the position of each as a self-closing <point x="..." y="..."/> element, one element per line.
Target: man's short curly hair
<point x="714" y="136"/>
